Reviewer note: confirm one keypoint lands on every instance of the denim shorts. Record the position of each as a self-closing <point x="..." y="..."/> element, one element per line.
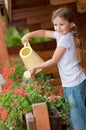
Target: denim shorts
<point x="77" y="114"/>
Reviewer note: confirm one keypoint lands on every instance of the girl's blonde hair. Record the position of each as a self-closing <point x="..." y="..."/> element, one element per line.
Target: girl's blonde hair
<point x="64" y="13"/>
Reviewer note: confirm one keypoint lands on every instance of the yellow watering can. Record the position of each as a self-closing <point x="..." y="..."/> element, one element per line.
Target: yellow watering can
<point x="30" y="58"/>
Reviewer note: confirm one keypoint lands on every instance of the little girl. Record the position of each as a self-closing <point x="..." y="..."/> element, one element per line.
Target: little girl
<point x="72" y="76"/>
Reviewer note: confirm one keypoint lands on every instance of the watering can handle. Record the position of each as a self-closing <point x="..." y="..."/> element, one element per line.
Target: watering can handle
<point x="26" y="44"/>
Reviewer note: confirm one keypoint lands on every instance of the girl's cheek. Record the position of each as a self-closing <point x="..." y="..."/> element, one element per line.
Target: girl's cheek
<point x="55" y="28"/>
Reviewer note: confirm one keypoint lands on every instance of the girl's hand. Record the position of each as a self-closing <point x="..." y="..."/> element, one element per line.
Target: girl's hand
<point x="32" y="71"/>
<point x="25" y="39"/>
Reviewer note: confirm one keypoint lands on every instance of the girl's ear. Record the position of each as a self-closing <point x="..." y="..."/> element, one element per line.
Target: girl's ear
<point x="72" y="25"/>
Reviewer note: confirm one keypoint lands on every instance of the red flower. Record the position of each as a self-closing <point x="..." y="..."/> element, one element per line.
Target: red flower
<point x="17" y="77"/>
<point x="1" y="91"/>
<point x="0" y="109"/>
<point x="5" y="72"/>
<point x="52" y="97"/>
<point x="39" y="85"/>
<point x="20" y="92"/>
<point x="10" y="82"/>
<point x="7" y="87"/>
<point x="3" y="113"/>
<point x="61" y="91"/>
<point x="15" y="102"/>
<point x="46" y="90"/>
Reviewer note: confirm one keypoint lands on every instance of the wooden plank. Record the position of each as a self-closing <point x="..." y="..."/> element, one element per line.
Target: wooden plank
<point x="55" y="81"/>
<point x="8" y="7"/>
<point x="32" y="12"/>
<point x="30" y="121"/>
<point x="40" y="112"/>
<point x="82" y="1"/>
<point x="3" y="49"/>
<point x="15" y="11"/>
<point x="83" y="42"/>
<point x="37" y="14"/>
<point x="29" y="3"/>
<point x="83" y="65"/>
<point x="81" y="7"/>
<point x="52" y="69"/>
<point x="46" y="54"/>
<point x="83" y="55"/>
<point x="53" y="72"/>
<point x="46" y="25"/>
<point x="29" y="14"/>
<point x="82" y="29"/>
<point x="80" y="18"/>
<point x="58" y="2"/>
<point x="38" y="19"/>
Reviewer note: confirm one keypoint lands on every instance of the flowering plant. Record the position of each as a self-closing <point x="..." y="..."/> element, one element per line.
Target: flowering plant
<point x="13" y="98"/>
<point x="17" y="96"/>
<point x="42" y="91"/>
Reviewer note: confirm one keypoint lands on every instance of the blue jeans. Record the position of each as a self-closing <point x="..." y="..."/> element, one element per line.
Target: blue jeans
<point x="77" y="114"/>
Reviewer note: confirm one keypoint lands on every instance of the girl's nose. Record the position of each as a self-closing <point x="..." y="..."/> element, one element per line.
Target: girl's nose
<point x="58" y="28"/>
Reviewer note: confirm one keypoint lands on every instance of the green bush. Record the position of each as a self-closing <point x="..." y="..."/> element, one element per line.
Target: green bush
<point x="13" y="37"/>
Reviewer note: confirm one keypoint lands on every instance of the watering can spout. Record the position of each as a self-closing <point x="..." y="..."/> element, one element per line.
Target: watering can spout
<point x="29" y="57"/>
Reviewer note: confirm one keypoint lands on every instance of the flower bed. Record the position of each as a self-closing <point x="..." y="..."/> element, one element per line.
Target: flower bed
<point x="18" y="95"/>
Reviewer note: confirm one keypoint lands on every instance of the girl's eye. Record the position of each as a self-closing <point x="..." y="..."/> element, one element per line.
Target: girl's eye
<point x="61" y="24"/>
<point x="55" y="24"/>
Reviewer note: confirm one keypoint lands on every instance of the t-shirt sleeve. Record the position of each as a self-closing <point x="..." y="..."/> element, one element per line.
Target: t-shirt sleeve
<point x="65" y="41"/>
<point x="56" y="35"/>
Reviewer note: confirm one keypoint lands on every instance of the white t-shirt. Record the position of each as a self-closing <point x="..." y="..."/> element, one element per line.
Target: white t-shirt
<point x="70" y="72"/>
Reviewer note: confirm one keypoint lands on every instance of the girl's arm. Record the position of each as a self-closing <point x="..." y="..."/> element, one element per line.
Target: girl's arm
<point x="51" y="62"/>
<point x="38" y="33"/>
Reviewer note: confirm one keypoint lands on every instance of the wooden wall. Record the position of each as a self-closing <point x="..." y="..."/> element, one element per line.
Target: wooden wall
<point x="37" y="14"/>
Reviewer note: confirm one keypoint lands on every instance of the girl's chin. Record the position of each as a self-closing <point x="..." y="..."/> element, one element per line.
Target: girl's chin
<point x="63" y="33"/>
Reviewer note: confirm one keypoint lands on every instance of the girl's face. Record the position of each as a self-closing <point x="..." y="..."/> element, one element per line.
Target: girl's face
<point x="62" y="26"/>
